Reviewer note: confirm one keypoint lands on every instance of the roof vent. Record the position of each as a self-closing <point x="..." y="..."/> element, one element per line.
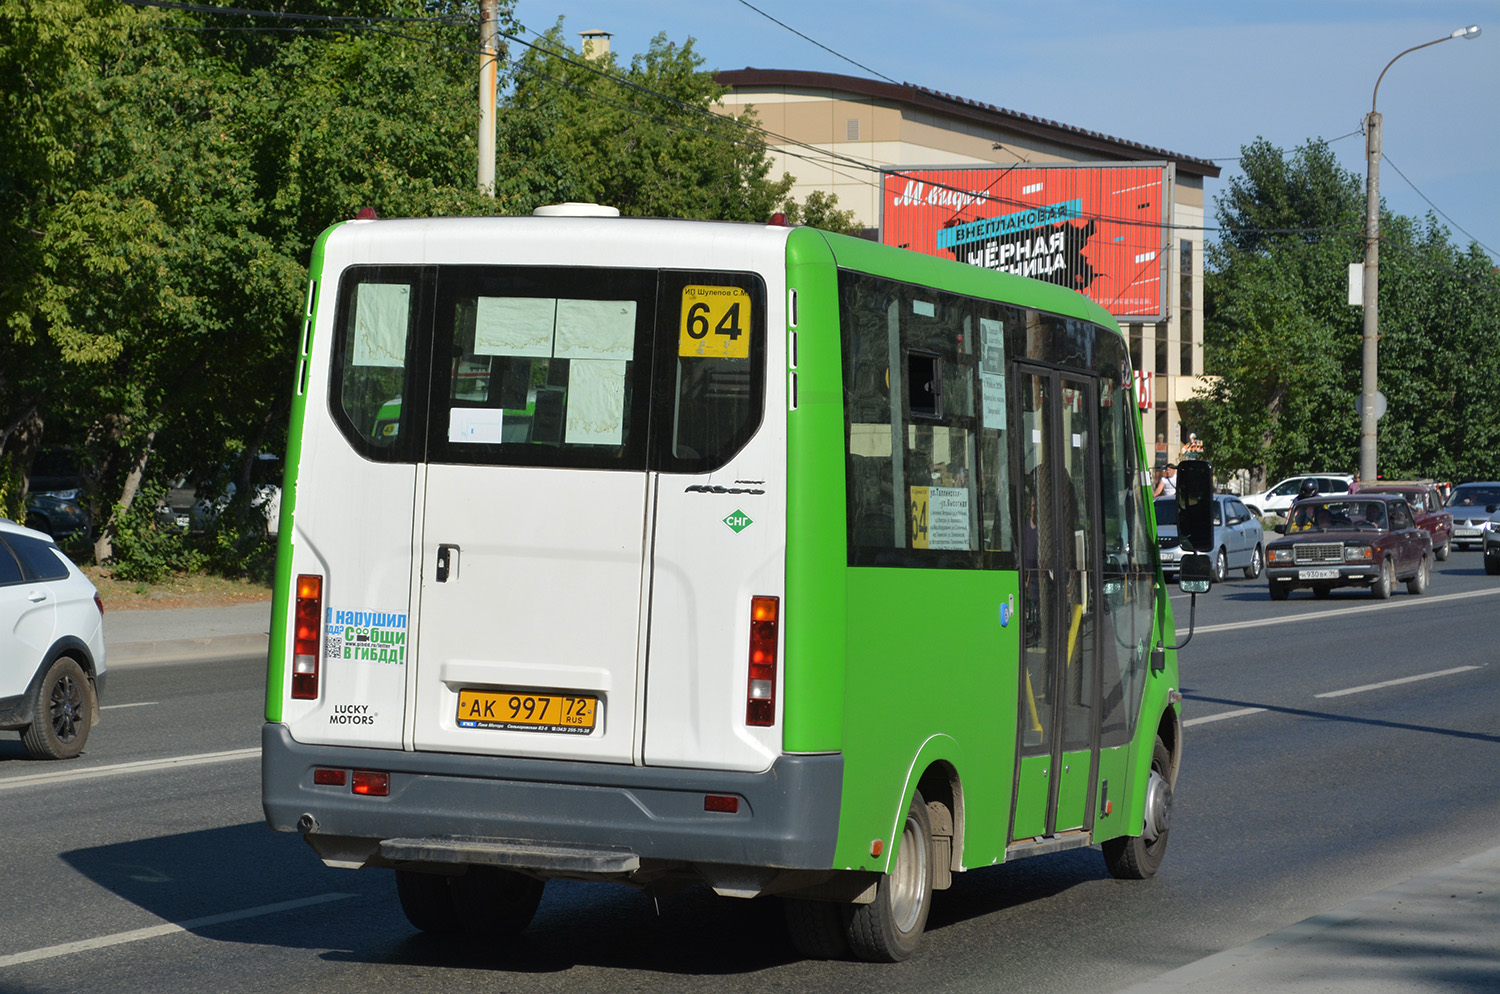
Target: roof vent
<point x="574" y="209"/>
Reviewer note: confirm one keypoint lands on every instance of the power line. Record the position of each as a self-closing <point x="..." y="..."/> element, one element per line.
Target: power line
<point x="1435" y="207"/>
<point x="824" y="47"/>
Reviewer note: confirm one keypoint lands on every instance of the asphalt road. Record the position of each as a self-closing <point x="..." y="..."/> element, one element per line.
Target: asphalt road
<point x="1334" y="748"/>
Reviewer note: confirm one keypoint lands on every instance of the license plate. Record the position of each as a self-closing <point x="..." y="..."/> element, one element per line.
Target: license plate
<point x="1317" y="574"/>
<point x="1466" y="532"/>
<point x="525" y="711"/>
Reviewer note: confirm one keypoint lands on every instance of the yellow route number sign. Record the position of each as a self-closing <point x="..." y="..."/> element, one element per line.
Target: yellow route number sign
<point x="715" y="322"/>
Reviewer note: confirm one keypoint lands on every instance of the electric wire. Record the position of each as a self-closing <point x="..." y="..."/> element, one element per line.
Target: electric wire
<point x="824" y="47"/>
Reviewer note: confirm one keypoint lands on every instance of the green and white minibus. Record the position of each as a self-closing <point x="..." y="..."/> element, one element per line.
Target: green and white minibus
<point x="661" y="551"/>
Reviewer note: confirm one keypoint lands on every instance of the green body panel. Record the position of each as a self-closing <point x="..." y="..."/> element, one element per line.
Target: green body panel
<point x="1073" y="790"/>
<point x="815" y="524"/>
<point x="1113" y="763"/>
<point x="903" y="717"/>
<point x="281" y="597"/>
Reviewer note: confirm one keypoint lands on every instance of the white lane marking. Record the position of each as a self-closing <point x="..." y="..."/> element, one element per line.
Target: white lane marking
<point x="143" y="766"/>
<point x="1392" y="683"/>
<point x="1338" y="612"/>
<point x="1221" y="716"/>
<point x="166" y="928"/>
<point x="137" y="704"/>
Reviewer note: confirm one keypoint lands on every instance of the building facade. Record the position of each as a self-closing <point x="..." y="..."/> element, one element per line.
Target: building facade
<point x="845" y="135"/>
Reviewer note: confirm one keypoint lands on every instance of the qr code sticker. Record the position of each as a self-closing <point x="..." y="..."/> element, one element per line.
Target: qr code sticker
<point x="333" y="647"/>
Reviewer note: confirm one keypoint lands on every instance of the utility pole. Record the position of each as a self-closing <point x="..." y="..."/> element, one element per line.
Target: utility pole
<point x="489" y="80"/>
<point x="1369" y="413"/>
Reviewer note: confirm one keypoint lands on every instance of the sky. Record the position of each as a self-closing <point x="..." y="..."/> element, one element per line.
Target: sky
<point x="1195" y="78"/>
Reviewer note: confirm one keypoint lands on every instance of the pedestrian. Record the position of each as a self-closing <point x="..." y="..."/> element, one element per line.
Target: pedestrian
<point x="1167" y="485"/>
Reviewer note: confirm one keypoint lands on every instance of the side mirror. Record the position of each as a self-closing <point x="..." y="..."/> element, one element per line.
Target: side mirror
<point x="1195" y="572"/>
<point x="1279" y="529"/>
<point x="1195" y="503"/>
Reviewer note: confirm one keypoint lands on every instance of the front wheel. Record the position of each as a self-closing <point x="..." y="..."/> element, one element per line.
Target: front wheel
<point x="1441" y="552"/>
<point x="888" y="929"/>
<point x="1257" y="563"/>
<point x="1382" y="587"/>
<point x="1492" y="565"/>
<point x="1278" y="591"/>
<point x="62" y="712"/>
<point x="1138" y="857"/>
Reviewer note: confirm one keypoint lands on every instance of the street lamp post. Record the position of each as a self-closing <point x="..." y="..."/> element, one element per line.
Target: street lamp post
<point x="1369" y="416"/>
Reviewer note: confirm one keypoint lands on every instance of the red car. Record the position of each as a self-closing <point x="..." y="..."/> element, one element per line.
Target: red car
<point x="1352" y="540"/>
<point x="1426" y="506"/>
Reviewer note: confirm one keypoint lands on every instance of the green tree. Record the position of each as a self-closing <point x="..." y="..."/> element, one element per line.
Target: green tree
<point x="1282" y="344"/>
<point x="641" y="138"/>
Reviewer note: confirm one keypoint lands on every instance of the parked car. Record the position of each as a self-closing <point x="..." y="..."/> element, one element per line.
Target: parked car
<point x="1426" y="505"/>
<point x="1238" y="538"/>
<point x="51" y="645"/>
<point x="1280" y="497"/>
<point x="1471" y="505"/>
<point x="1354" y="540"/>
<point x="193" y="508"/>
<point x="64" y="518"/>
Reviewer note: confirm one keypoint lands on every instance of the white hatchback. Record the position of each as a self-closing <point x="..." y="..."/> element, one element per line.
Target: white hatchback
<point x="51" y="645"/>
<point x="1279" y="498"/>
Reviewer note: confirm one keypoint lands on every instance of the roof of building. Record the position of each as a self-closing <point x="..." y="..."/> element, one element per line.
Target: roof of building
<point x="971" y="110"/>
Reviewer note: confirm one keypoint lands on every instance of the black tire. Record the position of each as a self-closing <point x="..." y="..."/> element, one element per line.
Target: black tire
<point x="1492" y="565"/>
<point x="1257" y="564"/>
<point x="888" y="929"/>
<point x="1134" y="857"/>
<point x="1221" y="566"/>
<point x="1381" y="589"/>
<point x="1278" y="591"/>
<point x="1322" y="592"/>
<point x="1441" y="552"/>
<point x="495" y="902"/>
<point x="427" y="901"/>
<point x="1419" y="581"/>
<point x="818" y="929"/>
<point x="62" y="712"/>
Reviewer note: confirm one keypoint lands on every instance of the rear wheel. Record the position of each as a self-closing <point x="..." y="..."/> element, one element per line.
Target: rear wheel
<point x="1382" y="587"/>
<point x="1418" y="583"/>
<point x="1257" y="563"/>
<point x="61" y="712"/>
<point x="1137" y="857"/>
<point x="888" y="929"/>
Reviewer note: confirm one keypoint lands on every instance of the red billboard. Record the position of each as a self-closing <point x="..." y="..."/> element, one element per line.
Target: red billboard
<point x="1100" y="229"/>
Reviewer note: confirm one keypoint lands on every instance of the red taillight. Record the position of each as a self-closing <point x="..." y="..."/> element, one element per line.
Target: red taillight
<point x="324" y="777"/>
<point x="371" y="783"/>
<point x="99" y="603"/>
<point x="306" y="629"/>
<point x="760" y="694"/>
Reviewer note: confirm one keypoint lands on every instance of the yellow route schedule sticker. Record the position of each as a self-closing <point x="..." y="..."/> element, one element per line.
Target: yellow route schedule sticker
<point x="715" y="322"/>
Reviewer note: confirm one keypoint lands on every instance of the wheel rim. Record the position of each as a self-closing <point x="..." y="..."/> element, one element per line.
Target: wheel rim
<point x="66" y="706"/>
<point x="908" y="879"/>
<point x="1158" y="808"/>
<point x="1255" y="561"/>
<point x="1221" y="566"/>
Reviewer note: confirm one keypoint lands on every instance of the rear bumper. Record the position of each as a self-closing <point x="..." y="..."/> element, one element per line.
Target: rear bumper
<point x="787" y="816"/>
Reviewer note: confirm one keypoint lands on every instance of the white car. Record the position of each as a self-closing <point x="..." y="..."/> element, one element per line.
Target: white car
<point x="1279" y="498"/>
<point x="51" y="645"/>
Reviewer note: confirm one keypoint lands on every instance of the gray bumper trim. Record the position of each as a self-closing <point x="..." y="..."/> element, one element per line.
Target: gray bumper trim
<point x="787" y="818"/>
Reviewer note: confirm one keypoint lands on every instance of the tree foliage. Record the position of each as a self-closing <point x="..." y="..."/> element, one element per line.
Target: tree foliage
<point x="1283" y="346"/>
<point x="166" y="171"/>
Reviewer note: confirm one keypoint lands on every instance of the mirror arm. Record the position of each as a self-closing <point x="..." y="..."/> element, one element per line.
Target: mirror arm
<point x="1192" y="614"/>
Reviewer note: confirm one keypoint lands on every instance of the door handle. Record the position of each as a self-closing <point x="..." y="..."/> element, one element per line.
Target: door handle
<point x="36" y="596"/>
<point x="447" y="563"/>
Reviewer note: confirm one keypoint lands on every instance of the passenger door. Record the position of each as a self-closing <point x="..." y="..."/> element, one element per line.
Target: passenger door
<point x="1060" y="677"/>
